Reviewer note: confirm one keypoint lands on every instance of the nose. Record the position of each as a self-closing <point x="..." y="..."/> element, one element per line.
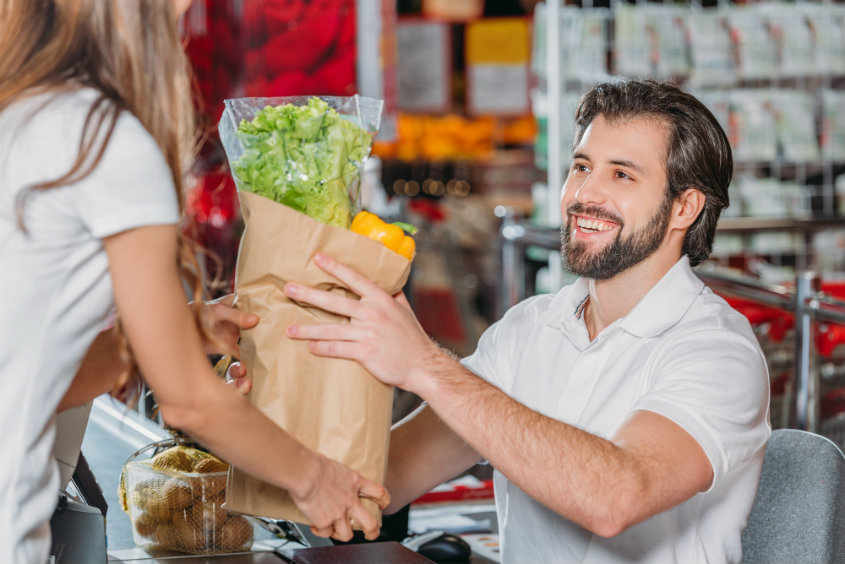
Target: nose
<point x="584" y="190"/>
<point x="589" y="190"/>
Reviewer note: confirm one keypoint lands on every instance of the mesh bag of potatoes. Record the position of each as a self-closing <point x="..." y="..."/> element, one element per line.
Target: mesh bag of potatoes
<point x="175" y="502"/>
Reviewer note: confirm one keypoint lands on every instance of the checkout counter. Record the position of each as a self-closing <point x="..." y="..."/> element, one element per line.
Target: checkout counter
<point x="440" y="533"/>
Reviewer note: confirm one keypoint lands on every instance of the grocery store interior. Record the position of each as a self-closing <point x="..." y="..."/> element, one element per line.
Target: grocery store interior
<point x="472" y="148"/>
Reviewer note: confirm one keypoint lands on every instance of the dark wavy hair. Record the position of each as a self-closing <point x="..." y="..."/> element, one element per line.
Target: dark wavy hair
<point x="699" y="154"/>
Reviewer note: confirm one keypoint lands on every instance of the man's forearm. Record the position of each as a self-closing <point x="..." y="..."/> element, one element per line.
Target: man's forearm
<point x="424" y="453"/>
<point x="587" y="479"/>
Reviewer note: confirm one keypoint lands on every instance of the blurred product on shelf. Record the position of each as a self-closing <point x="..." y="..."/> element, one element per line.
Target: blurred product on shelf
<point x="497" y="56"/>
<point x="261" y="48"/>
<point x="213" y="220"/>
<point x="453" y="10"/>
<point x="214" y="43"/>
<point x="425" y="78"/>
<point x="299" y="47"/>
<point x="455" y="137"/>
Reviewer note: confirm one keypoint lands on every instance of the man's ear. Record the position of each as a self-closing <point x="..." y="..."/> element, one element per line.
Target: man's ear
<point x="687" y="208"/>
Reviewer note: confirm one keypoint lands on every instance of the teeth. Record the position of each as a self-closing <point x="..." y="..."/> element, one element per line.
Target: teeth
<point x="593" y="224"/>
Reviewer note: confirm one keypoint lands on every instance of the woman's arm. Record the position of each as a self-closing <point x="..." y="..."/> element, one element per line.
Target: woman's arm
<point x="163" y="336"/>
<point x="102" y="364"/>
<point x="98" y="372"/>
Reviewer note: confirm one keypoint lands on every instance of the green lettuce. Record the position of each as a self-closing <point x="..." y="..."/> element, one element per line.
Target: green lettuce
<point x="304" y="157"/>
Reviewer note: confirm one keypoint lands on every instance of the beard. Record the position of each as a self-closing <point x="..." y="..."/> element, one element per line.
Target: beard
<point x="622" y="253"/>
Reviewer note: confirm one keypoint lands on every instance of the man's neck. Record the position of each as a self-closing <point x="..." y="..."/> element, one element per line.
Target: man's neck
<point x="613" y="299"/>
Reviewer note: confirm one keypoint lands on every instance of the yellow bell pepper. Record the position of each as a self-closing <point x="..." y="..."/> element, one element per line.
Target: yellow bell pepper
<point x="391" y="235"/>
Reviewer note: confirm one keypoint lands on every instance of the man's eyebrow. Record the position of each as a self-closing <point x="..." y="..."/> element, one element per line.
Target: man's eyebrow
<point x="618" y="162"/>
<point x="628" y="164"/>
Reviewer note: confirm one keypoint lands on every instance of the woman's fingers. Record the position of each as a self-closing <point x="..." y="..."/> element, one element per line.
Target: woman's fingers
<point x="342" y="529"/>
<point x="228" y="300"/>
<point x="323" y="532"/>
<point x="376" y="492"/>
<point x="236" y="375"/>
<point x="224" y="324"/>
<point x="223" y="313"/>
<point x="361" y="519"/>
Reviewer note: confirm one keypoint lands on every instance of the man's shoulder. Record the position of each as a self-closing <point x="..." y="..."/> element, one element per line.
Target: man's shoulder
<point x="709" y="327"/>
<point x="709" y="310"/>
<point x="546" y="304"/>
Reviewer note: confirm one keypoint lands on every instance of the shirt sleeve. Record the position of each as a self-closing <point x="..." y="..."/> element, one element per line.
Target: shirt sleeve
<point x="714" y="384"/>
<point x="131" y="186"/>
<point x="484" y="362"/>
<point x="497" y="353"/>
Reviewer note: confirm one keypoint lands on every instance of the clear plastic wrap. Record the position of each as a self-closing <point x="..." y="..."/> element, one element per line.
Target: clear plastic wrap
<point x="299" y="153"/>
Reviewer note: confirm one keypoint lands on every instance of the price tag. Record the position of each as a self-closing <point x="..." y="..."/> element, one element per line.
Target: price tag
<point x="497" y="62"/>
<point x="425" y="66"/>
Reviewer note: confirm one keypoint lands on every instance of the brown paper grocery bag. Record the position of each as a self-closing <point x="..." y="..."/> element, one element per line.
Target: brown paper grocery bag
<point x="333" y="406"/>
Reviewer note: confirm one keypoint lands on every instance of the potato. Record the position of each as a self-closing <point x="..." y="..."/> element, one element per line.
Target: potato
<point x="145" y="525"/>
<point x="145" y="492"/>
<point x="158" y="509"/>
<point x="210" y="464"/>
<point x="175" y="459"/>
<point x="164" y="536"/>
<point x="236" y="533"/>
<point x="177" y="493"/>
<point x="206" y="487"/>
<point x="186" y="535"/>
<point x="208" y="516"/>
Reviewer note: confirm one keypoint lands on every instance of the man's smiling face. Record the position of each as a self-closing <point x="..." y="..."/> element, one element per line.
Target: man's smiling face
<point x="614" y="200"/>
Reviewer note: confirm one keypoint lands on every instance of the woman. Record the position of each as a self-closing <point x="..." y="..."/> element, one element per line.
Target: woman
<point x="96" y="131"/>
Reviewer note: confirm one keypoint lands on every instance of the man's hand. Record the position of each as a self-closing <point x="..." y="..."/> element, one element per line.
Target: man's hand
<point x="224" y="324"/>
<point x="382" y="333"/>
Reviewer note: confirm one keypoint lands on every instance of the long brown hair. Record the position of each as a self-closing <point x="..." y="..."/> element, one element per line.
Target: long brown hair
<point x="130" y="51"/>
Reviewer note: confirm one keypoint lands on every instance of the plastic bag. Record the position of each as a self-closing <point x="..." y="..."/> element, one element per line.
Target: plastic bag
<point x="306" y="152"/>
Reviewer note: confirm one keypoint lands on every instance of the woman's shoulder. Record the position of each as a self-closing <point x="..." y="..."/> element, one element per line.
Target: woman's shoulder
<point x="65" y="113"/>
<point x="43" y="138"/>
<point x="54" y="123"/>
<point x="52" y="107"/>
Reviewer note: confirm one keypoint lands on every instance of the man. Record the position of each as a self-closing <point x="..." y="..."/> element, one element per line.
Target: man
<point x="627" y="414"/>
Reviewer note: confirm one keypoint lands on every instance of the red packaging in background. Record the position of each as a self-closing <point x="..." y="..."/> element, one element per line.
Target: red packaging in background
<point x="260" y="48"/>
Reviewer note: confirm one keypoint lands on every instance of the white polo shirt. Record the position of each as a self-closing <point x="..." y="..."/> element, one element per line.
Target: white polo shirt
<point x="681" y="352"/>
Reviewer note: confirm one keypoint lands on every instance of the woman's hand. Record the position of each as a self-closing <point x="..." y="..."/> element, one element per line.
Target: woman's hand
<point x="224" y="323"/>
<point x="333" y="501"/>
<point x="236" y="375"/>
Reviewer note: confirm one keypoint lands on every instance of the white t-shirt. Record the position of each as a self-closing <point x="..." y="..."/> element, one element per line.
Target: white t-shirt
<point x="55" y="286"/>
<point x="681" y="352"/>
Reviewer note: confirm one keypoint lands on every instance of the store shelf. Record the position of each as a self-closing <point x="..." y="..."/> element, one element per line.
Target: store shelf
<point x="755" y="224"/>
<point x="774" y="89"/>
